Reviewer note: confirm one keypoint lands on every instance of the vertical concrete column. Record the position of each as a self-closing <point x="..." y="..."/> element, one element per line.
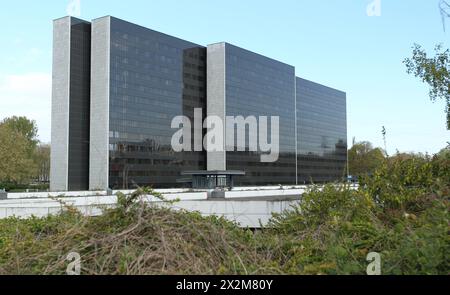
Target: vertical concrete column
<point x="59" y="159"/>
<point x="216" y="98"/>
<point x="100" y="91"/>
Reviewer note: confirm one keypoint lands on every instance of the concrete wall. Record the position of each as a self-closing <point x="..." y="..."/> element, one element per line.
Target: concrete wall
<point x="67" y="101"/>
<point x="248" y="213"/>
<point x="237" y="192"/>
<point x="264" y="193"/>
<point x="216" y="101"/>
<point x="100" y="81"/>
<point x="46" y="195"/>
<point x="252" y="214"/>
<point x="59" y="159"/>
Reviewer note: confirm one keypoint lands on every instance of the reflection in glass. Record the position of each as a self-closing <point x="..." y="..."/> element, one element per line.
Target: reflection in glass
<point x="260" y="86"/>
<point x="321" y="133"/>
<point x="154" y="77"/>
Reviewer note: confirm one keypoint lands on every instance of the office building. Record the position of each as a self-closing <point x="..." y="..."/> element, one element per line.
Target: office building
<point x="243" y="83"/>
<point x="141" y="79"/>
<point x="321" y="133"/>
<point x="117" y="87"/>
<point x="70" y="104"/>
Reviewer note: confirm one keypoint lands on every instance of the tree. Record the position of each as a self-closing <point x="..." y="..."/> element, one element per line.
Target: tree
<point x="27" y="128"/>
<point x="42" y="160"/>
<point x="18" y="150"/>
<point x="16" y="163"/>
<point x="364" y="159"/>
<point x="434" y="71"/>
<point x="441" y="164"/>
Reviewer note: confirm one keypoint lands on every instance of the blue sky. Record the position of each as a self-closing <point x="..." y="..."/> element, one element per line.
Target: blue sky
<point x="332" y="42"/>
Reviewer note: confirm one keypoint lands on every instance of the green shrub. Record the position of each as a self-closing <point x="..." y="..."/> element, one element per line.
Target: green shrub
<point x="13" y="187"/>
<point x="401" y="212"/>
<point x="134" y="238"/>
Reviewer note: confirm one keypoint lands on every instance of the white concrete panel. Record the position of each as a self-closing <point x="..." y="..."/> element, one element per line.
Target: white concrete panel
<point x="100" y="90"/>
<point x="246" y="213"/>
<point x="59" y="158"/>
<point x="216" y="101"/>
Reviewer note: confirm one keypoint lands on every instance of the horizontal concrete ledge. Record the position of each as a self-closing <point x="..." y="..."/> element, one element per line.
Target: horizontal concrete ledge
<point x="282" y="193"/>
<point x="252" y="214"/>
<point x="42" y="195"/>
<point x="249" y="209"/>
<point x="162" y="191"/>
<point x="83" y="193"/>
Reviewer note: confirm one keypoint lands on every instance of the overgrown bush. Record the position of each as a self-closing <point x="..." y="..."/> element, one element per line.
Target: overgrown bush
<point x="13" y="187"/>
<point x="134" y="238"/>
<point x="401" y="211"/>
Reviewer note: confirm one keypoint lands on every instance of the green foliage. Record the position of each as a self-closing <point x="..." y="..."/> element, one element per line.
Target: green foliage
<point x="134" y="238"/>
<point x="400" y="181"/>
<point x="16" y="162"/>
<point x="364" y="159"/>
<point x="22" y="160"/>
<point x="435" y="71"/>
<point x="400" y="211"/>
<point x="441" y="165"/>
<point x="42" y="160"/>
<point x="27" y="128"/>
<point x="14" y="187"/>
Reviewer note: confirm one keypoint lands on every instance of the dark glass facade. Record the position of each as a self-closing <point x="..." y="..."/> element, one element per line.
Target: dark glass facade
<point x="321" y="133"/>
<point x="79" y="116"/>
<point x="153" y="78"/>
<point x="259" y="86"/>
<point x="123" y="84"/>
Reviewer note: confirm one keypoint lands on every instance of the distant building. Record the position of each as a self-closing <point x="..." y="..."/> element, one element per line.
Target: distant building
<point x="117" y="86"/>
<point x="321" y="133"/>
<point x="243" y="83"/>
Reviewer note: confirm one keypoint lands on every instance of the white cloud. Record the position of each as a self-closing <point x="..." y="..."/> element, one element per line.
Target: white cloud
<point x="28" y="95"/>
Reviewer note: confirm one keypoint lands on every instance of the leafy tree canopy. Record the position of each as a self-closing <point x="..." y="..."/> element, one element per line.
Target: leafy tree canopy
<point x="363" y="158"/>
<point x="16" y="163"/>
<point x="18" y="145"/>
<point x="24" y="126"/>
<point x="435" y="71"/>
